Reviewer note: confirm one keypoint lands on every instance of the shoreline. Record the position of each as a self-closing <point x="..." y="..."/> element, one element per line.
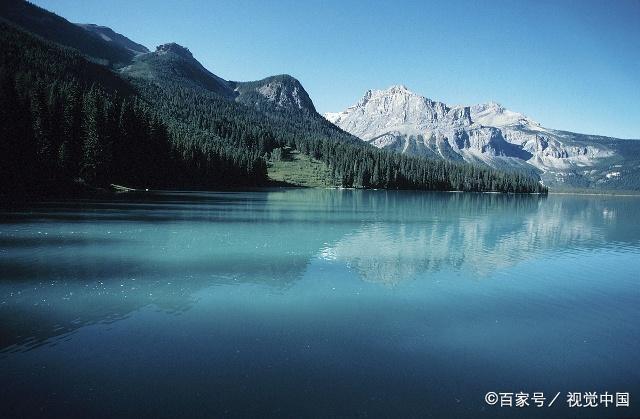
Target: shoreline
<point x="121" y="191"/>
<point x="629" y="194"/>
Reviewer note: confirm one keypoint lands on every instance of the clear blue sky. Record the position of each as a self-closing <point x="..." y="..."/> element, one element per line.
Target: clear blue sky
<point x="571" y="65"/>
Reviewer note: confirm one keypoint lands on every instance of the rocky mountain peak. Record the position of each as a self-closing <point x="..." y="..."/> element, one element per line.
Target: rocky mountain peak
<point x="398" y="89"/>
<point x="174" y="48"/>
<point x="488" y="133"/>
<point x="489" y="107"/>
<point x="496" y="115"/>
<point x="394" y="108"/>
<point x="274" y="93"/>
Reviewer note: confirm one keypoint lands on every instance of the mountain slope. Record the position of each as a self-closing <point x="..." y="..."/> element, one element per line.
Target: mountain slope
<point x="277" y="112"/>
<point x="109" y="35"/>
<point x="66" y="122"/>
<point x="174" y="64"/>
<point x="489" y="134"/>
<point x="59" y="30"/>
<point x="68" y="125"/>
<point x="221" y="132"/>
<point x="276" y="106"/>
<point x="274" y="93"/>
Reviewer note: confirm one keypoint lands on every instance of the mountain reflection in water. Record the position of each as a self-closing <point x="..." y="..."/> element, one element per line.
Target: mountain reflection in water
<point x="68" y="265"/>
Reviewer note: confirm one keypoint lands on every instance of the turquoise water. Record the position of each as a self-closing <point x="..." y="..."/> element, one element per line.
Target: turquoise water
<point x="321" y="303"/>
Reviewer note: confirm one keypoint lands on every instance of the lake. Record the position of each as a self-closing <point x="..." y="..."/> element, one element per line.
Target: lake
<point x="293" y="302"/>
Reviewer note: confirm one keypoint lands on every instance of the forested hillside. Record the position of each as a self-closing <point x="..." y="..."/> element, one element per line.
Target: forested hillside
<point x="57" y="29"/>
<point x="164" y="121"/>
<point x="66" y="122"/>
<point x="256" y="121"/>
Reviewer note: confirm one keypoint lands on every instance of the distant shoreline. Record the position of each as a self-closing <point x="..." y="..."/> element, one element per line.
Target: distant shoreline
<point x="603" y="193"/>
<point x="114" y="191"/>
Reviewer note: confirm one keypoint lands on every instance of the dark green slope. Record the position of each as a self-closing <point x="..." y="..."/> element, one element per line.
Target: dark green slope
<point x="237" y="112"/>
<point x="277" y="112"/>
<point x="33" y="57"/>
<point x="59" y="30"/>
<point x="220" y="132"/>
<point x="67" y="125"/>
<point x="172" y="64"/>
<point x="198" y="97"/>
<point x="110" y="36"/>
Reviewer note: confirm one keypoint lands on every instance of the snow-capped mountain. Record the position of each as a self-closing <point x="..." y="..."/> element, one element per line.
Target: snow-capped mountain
<point x="401" y="120"/>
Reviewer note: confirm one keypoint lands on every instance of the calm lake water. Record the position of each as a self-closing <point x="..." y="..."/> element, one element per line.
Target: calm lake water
<point x="320" y="303"/>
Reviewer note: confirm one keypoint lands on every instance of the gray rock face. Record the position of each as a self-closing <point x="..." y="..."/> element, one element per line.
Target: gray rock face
<point x="174" y="48"/>
<point x="401" y="120"/>
<point x="282" y="92"/>
<point x="173" y="63"/>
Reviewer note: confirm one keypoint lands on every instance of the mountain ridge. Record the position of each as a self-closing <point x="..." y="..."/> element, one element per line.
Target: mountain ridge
<point x="399" y="119"/>
<point x="57" y="29"/>
<point x="109" y="35"/>
<point x="214" y="132"/>
<point x="172" y="61"/>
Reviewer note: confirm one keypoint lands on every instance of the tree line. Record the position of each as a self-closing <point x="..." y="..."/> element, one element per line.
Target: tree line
<point x="352" y="162"/>
<point x="68" y="123"/>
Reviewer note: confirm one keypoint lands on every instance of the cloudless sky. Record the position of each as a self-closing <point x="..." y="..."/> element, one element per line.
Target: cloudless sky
<point x="572" y="65"/>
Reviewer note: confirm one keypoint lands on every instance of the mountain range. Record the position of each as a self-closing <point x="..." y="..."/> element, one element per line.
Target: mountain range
<point x="489" y="134"/>
<point x="111" y="99"/>
<point x="269" y="94"/>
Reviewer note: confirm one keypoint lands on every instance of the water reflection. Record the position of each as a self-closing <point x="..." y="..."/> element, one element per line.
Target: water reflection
<point x="482" y="234"/>
<point x="67" y="265"/>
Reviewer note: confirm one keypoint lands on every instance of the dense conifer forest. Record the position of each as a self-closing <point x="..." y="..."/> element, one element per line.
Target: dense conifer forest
<point x="352" y="163"/>
<point x="67" y="123"/>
